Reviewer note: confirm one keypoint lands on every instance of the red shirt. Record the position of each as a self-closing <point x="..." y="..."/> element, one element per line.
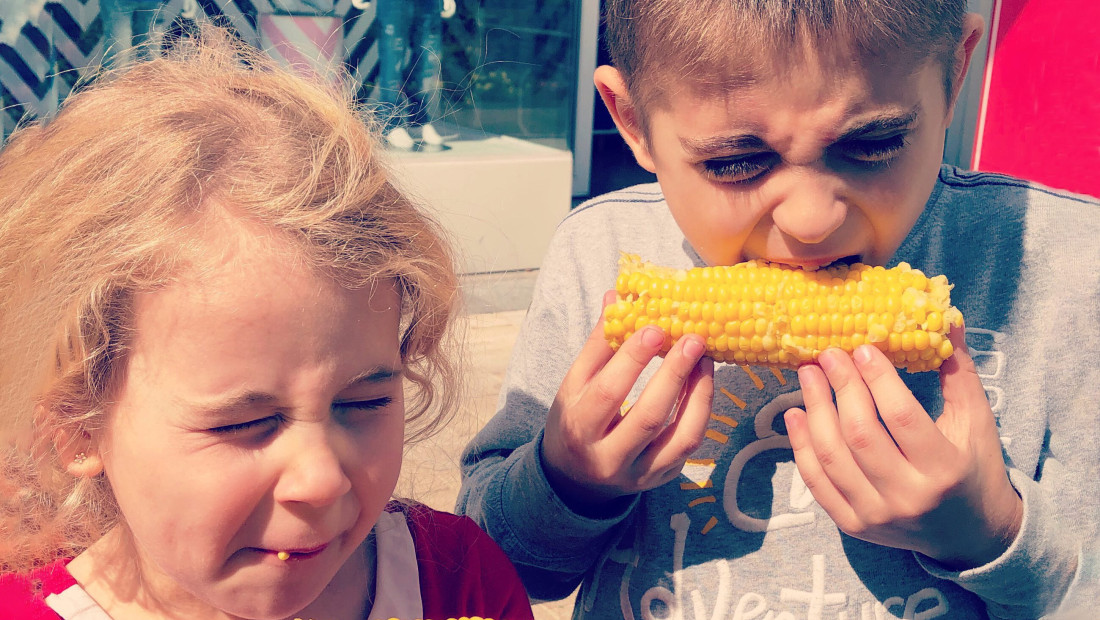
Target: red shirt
<point x="462" y="573"/>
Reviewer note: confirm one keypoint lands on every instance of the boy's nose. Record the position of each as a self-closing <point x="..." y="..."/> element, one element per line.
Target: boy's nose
<point x="810" y="210"/>
<point x="313" y="473"/>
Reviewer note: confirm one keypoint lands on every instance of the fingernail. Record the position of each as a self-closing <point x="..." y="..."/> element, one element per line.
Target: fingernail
<point x="826" y="361"/>
<point x="862" y="355"/>
<point x="693" y="349"/>
<point x="653" y="337"/>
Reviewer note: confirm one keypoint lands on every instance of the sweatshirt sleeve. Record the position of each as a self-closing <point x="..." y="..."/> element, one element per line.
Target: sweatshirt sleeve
<point x="1044" y="572"/>
<point x="1038" y="260"/>
<point x="504" y="487"/>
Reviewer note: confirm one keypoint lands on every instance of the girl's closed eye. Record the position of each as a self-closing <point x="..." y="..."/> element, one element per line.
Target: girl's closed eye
<point x="347" y="411"/>
<point x="740" y="168"/>
<point x="262" y="427"/>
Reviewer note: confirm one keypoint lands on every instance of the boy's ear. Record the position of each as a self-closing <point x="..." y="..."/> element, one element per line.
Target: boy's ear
<point x="612" y="88"/>
<point x="973" y="27"/>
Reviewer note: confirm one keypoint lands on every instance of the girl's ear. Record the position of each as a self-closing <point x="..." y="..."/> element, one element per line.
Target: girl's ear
<point x="612" y="89"/>
<point x="77" y="450"/>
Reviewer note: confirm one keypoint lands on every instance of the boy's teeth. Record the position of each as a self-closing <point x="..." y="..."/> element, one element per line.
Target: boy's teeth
<point x="847" y="261"/>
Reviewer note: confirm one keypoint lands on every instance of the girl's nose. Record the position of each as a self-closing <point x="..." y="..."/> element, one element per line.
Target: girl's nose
<point x="811" y="210"/>
<point x="314" y="473"/>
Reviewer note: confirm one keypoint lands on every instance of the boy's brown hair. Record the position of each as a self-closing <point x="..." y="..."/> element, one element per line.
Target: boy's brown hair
<point x="711" y="46"/>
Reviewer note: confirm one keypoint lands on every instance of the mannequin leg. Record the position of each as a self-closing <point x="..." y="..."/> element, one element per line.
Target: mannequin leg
<point x="118" y="33"/>
<point x="426" y="76"/>
<point x="395" y="17"/>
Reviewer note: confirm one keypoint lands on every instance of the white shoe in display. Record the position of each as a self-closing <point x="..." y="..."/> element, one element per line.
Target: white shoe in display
<point x="399" y="138"/>
<point x="431" y="136"/>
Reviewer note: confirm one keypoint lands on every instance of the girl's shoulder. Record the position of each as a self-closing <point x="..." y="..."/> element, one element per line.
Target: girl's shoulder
<point x="23" y="595"/>
<point x="439" y="534"/>
<point x="462" y="571"/>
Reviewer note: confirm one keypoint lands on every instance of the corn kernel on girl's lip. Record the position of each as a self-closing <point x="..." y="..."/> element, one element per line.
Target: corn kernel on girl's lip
<point x="288" y="554"/>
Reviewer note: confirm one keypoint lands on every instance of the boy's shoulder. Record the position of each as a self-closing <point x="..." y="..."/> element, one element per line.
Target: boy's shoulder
<point x="1006" y="190"/>
<point x="646" y="193"/>
<point x="619" y="220"/>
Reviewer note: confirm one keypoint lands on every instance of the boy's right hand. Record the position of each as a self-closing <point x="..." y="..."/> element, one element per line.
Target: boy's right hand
<point x="592" y="453"/>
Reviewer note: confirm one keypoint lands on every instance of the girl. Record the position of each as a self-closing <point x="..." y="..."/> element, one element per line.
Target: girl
<point x="211" y="297"/>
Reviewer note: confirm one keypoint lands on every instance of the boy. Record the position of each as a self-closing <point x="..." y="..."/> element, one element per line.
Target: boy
<point x="804" y="133"/>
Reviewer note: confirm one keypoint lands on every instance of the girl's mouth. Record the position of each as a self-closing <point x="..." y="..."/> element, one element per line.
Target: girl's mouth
<point x="297" y="555"/>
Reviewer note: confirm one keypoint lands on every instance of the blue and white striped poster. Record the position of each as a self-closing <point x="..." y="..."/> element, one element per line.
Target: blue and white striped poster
<point x="47" y="46"/>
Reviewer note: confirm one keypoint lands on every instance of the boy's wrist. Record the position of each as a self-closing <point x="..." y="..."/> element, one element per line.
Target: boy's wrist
<point x="582" y="499"/>
<point x="1003" y="528"/>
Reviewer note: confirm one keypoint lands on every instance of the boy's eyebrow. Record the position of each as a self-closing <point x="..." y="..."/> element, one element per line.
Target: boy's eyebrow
<point x="883" y="124"/>
<point x="720" y="144"/>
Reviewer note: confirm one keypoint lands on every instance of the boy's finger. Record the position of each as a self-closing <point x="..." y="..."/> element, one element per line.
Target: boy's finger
<point x="594" y="354"/>
<point x="657" y="404"/>
<point x="823" y="424"/>
<point x="601" y="398"/>
<point x="689" y="424"/>
<point x="870" y="445"/>
<point x="910" y="426"/>
<point x="825" y="493"/>
<point x="962" y="388"/>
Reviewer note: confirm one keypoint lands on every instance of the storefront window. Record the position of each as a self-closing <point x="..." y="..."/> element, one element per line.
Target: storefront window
<point x="479" y="96"/>
<point x="506" y="67"/>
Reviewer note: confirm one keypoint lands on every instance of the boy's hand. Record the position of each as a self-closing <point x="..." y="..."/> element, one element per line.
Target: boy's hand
<point x="937" y="487"/>
<point x="594" y="454"/>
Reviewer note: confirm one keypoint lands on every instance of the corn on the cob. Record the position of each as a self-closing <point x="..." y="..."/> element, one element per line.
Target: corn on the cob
<point x="758" y="313"/>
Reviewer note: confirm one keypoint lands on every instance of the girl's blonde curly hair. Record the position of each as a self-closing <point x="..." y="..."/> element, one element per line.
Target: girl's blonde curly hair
<point x="109" y="199"/>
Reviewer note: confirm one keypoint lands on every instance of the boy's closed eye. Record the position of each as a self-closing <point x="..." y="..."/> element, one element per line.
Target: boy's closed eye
<point x="866" y="151"/>
<point x="741" y="168"/>
<point x="871" y="150"/>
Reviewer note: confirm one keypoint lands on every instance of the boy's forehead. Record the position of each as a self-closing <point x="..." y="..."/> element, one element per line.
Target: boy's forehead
<point x="719" y="68"/>
<point x="816" y="78"/>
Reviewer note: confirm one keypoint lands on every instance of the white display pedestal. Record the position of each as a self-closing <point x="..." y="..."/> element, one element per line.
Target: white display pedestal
<point x="500" y="197"/>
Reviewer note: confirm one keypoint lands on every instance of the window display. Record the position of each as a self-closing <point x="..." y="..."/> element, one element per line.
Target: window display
<point x="410" y="49"/>
<point x="499" y="67"/>
<point x="478" y="98"/>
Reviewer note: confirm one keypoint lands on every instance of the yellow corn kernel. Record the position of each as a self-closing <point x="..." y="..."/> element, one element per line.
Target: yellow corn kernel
<point x="780" y="316"/>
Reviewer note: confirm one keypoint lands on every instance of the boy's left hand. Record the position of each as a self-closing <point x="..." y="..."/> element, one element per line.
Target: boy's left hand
<point x="886" y="473"/>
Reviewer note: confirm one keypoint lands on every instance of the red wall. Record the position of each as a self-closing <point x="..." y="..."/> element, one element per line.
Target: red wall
<point x="1040" y="114"/>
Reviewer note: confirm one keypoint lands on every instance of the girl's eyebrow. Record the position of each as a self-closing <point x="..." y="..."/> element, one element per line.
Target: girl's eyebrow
<point x="235" y="404"/>
<point x="379" y="374"/>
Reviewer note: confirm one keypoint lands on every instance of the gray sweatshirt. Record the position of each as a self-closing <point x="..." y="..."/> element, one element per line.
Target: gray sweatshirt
<point x="738" y="536"/>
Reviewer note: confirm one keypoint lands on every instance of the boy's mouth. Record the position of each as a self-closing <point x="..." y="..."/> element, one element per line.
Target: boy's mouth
<point x="845" y="261"/>
<point x="822" y="263"/>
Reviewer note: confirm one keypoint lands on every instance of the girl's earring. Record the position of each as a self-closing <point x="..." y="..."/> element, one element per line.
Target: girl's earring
<point x="80" y="458"/>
